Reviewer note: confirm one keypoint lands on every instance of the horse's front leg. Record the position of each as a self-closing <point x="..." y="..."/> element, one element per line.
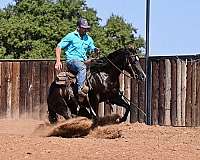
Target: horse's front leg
<point x="90" y="105"/>
<point x="120" y="102"/>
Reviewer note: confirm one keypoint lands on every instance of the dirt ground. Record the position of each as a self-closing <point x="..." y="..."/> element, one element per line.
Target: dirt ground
<point x="113" y="142"/>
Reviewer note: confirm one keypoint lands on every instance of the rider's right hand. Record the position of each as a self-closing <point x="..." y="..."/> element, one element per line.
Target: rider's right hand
<point x="58" y="66"/>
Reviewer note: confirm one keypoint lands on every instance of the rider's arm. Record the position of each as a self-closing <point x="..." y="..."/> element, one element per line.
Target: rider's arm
<point x="58" y="64"/>
<point x="63" y="44"/>
<point x="93" y="48"/>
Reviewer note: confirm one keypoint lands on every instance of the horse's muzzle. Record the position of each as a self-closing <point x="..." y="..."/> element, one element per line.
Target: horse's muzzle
<point x="141" y="77"/>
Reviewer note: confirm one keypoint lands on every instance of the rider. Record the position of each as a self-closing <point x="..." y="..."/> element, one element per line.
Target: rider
<point x="76" y="45"/>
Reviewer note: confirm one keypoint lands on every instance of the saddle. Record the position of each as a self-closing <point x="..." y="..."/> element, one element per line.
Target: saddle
<point x="67" y="78"/>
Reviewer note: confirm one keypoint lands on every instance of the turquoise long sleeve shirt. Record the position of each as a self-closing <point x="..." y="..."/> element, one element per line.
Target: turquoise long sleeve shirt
<point x="76" y="48"/>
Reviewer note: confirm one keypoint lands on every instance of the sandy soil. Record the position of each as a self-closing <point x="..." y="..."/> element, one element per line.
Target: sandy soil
<point x="114" y="142"/>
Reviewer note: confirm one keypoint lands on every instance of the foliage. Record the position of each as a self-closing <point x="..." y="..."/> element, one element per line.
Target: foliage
<point x="32" y="28"/>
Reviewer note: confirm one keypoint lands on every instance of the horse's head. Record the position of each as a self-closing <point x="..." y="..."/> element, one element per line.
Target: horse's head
<point x="133" y="64"/>
<point x="124" y="59"/>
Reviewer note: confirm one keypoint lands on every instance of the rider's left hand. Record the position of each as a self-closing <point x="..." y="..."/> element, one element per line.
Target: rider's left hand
<point x="89" y="61"/>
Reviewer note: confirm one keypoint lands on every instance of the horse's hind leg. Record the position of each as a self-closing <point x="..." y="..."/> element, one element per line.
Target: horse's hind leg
<point x="53" y="118"/>
<point x="84" y="112"/>
<point x="66" y="113"/>
<point x="58" y="107"/>
<point x="63" y="108"/>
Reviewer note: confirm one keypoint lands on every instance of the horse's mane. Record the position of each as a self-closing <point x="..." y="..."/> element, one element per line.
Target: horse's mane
<point x="117" y="53"/>
<point x="102" y="63"/>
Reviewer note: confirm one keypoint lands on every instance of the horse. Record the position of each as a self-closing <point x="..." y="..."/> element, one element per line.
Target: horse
<point x="103" y="83"/>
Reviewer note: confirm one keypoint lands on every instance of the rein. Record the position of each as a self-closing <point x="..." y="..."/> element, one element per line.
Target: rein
<point x="127" y="100"/>
<point x="119" y="68"/>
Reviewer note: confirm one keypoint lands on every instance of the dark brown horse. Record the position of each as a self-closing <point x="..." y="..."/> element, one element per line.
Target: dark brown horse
<point x="103" y="82"/>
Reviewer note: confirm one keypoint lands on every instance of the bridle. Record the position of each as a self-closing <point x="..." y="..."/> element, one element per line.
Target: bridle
<point x="129" y="64"/>
<point x="118" y="68"/>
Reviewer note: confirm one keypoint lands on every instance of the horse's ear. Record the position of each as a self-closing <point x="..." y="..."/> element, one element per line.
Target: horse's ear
<point x="132" y="48"/>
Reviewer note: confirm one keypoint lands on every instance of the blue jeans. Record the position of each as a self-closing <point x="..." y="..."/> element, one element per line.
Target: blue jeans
<point x="80" y="70"/>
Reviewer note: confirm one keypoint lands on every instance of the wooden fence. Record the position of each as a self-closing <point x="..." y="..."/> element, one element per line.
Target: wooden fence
<point x="175" y="91"/>
<point x="24" y="88"/>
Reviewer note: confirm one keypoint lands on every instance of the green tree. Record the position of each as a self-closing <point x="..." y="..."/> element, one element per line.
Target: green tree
<point x="119" y="34"/>
<point x="32" y="28"/>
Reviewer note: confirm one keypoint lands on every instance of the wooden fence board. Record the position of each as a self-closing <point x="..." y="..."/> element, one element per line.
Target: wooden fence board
<point x="127" y="91"/>
<point x="119" y="109"/>
<point x="29" y="99"/>
<point x="9" y="90"/>
<point x="198" y="93"/>
<point x="141" y="94"/>
<point x="161" y="102"/>
<point x="183" y="90"/>
<point x="194" y="108"/>
<point x="188" y="121"/>
<point x="173" y="92"/>
<point x="167" y="92"/>
<point x="15" y="90"/>
<point x="23" y="90"/>
<point x="178" y="104"/>
<point x="4" y="79"/>
<point x="43" y="89"/>
<point x="36" y="90"/>
<point x="107" y="109"/>
<point x="134" y="100"/>
<point x="50" y="75"/>
<point x="155" y="92"/>
<point x="101" y="109"/>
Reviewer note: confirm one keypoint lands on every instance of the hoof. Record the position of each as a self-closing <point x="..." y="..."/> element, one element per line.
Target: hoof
<point x="120" y="120"/>
<point x="53" y="120"/>
<point x="74" y="116"/>
<point x="94" y="123"/>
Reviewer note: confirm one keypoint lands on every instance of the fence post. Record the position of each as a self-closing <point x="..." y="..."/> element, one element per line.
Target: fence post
<point x="167" y="92"/>
<point x="183" y="90"/>
<point x="178" y="92"/>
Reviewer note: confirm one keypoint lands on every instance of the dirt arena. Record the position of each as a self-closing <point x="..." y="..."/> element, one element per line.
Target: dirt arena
<point x="18" y="141"/>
